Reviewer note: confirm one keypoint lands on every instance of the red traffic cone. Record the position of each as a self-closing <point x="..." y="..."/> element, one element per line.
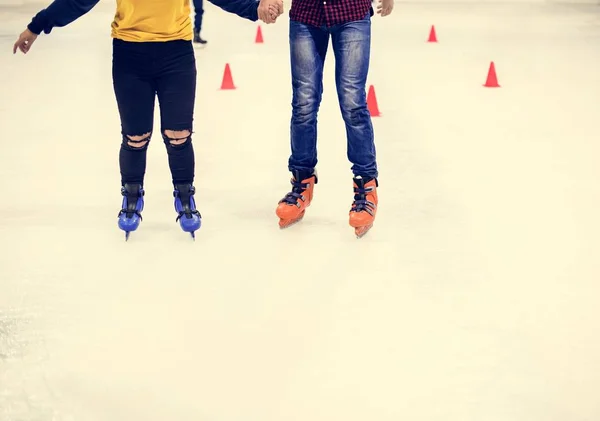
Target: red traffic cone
<point x="259" y="36"/>
<point x="372" y="102"/>
<point x="492" y="78"/>
<point x="432" y="35"/>
<point x="227" y="79"/>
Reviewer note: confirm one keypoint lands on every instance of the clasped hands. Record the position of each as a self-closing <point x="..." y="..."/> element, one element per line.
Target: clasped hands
<point x="270" y="10"/>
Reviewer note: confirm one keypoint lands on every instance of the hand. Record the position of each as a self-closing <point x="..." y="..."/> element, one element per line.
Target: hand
<point x="269" y="10"/>
<point x="385" y="7"/>
<point x="274" y="11"/>
<point x="25" y="41"/>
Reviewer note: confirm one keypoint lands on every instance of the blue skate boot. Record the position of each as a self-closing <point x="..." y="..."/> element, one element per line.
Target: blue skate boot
<point x="188" y="217"/>
<point x="133" y="203"/>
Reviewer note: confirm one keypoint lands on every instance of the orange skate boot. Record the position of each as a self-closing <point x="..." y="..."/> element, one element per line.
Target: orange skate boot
<point x="364" y="207"/>
<point x="292" y="207"/>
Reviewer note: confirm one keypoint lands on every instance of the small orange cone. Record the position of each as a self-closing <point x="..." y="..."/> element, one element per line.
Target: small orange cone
<point x="259" y="36"/>
<point x="372" y="102"/>
<point x="227" y="79"/>
<point x="432" y="35"/>
<point x="492" y="78"/>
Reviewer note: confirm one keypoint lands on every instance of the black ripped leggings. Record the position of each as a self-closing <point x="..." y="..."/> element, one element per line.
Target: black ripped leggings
<point x="141" y="72"/>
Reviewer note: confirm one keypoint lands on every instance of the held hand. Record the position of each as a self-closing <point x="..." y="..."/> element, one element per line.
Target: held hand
<point x="25" y="41"/>
<point x="268" y="8"/>
<point x="385" y="7"/>
<point x="275" y="12"/>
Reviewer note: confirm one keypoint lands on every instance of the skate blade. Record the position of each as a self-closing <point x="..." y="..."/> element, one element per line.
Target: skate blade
<point x="286" y="223"/>
<point x="362" y="231"/>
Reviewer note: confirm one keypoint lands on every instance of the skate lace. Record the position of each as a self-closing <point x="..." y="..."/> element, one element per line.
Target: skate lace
<point x="360" y="200"/>
<point x="298" y="189"/>
<point x="188" y="213"/>
<point x="130" y="213"/>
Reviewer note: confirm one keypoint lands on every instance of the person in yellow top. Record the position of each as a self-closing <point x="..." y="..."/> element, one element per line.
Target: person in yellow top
<point x="153" y="57"/>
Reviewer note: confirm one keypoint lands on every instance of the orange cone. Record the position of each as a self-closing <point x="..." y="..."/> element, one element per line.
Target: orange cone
<point x="492" y="78"/>
<point x="432" y="35"/>
<point x="227" y="79"/>
<point x="259" y="36"/>
<point x="372" y="102"/>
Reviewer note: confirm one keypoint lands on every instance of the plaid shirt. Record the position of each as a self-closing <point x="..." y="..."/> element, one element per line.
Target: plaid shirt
<point x="329" y="12"/>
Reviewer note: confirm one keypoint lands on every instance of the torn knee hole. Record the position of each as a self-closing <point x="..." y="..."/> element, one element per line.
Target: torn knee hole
<point x="177" y="137"/>
<point x="138" y="141"/>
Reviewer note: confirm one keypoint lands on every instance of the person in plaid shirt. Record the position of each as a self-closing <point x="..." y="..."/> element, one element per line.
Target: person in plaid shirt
<point x="348" y="24"/>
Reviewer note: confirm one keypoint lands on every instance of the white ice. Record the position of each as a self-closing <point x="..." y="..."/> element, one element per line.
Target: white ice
<point x="474" y="297"/>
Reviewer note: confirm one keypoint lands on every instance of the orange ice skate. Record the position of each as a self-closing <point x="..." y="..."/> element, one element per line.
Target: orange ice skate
<point x="292" y="207"/>
<point x="364" y="207"/>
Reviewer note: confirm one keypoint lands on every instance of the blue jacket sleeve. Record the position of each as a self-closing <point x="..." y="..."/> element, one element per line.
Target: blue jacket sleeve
<point x="60" y="13"/>
<point x="247" y="9"/>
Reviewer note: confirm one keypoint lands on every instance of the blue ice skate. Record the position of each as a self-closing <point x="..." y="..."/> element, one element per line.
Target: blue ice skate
<point x="188" y="217"/>
<point x="133" y="203"/>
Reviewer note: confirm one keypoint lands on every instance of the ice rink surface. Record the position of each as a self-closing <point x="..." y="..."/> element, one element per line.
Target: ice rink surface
<point x="474" y="297"/>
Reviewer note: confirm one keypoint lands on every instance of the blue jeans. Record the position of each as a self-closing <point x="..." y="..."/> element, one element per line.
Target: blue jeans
<point x="352" y="47"/>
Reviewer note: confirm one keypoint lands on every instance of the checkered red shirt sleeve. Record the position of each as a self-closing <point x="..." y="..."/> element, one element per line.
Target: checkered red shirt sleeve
<point x="329" y="12"/>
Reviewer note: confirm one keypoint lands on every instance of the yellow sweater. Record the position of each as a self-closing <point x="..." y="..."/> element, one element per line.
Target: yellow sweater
<point x="152" y="20"/>
<point x="139" y="20"/>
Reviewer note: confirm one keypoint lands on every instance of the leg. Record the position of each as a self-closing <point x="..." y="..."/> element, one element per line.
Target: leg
<point x="308" y="48"/>
<point x="198" y="15"/>
<point x="135" y="93"/>
<point x="176" y="89"/>
<point x="352" y="47"/>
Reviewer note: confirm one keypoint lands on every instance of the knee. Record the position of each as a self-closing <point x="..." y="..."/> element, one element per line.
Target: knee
<point x="306" y="103"/>
<point x="137" y="142"/>
<point x="353" y="103"/>
<point x="177" y="139"/>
